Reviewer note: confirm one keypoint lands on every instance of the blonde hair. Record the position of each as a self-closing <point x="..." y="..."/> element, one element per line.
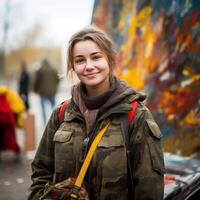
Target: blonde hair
<point x="97" y="36"/>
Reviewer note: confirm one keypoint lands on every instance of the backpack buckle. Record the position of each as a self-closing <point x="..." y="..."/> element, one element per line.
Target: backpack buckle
<point x="74" y="192"/>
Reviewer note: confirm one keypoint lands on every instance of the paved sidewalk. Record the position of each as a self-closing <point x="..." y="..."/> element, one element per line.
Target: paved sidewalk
<point x="14" y="177"/>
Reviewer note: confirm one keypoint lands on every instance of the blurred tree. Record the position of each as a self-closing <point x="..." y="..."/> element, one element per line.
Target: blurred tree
<point x="4" y="37"/>
<point x="19" y="41"/>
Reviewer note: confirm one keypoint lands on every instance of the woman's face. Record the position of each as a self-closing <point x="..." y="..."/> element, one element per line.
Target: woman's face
<point x="91" y="65"/>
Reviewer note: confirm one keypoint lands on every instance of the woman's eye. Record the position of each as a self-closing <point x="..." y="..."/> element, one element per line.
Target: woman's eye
<point x="96" y="57"/>
<point x="79" y="61"/>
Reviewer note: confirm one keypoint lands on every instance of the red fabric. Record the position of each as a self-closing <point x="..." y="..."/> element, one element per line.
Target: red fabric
<point x="61" y="111"/>
<point x="132" y="112"/>
<point x="7" y="127"/>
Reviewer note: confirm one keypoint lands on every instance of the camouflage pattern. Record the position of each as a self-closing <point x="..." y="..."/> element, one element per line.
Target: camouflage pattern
<point x="60" y="151"/>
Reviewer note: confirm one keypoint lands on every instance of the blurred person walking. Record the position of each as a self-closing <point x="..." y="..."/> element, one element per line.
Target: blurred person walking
<point x="24" y="81"/>
<point x="46" y="84"/>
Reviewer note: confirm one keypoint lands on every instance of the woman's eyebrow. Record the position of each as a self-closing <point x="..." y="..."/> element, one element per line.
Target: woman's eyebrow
<point x="98" y="52"/>
<point x="78" y="56"/>
<point x="94" y="53"/>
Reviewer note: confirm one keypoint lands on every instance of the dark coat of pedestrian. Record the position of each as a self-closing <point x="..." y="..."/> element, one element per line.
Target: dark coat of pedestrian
<point x="98" y="98"/>
<point x="46" y="80"/>
<point x="24" y="82"/>
<point x="46" y="85"/>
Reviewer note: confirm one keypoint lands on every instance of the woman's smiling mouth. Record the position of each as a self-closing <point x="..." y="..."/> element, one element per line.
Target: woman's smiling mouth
<point x="90" y="75"/>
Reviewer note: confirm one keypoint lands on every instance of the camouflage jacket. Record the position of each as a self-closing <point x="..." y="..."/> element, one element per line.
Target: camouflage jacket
<point x="60" y="151"/>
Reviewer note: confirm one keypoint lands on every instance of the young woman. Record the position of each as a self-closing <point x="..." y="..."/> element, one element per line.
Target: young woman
<point x="100" y="96"/>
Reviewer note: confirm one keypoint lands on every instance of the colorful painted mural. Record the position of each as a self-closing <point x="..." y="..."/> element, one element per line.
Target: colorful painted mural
<point x="159" y="52"/>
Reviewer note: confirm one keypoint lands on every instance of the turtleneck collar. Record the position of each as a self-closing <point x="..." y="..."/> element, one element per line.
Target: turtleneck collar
<point x="98" y="101"/>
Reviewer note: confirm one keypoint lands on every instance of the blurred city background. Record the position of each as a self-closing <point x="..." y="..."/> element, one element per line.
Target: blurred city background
<point x="158" y="45"/>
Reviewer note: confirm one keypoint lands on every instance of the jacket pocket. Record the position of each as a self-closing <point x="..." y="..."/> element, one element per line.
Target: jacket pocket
<point x="62" y="136"/>
<point x="111" y="141"/>
<point x="154" y="129"/>
<point x="155" y="148"/>
<point x="111" y="157"/>
<point x="63" y="152"/>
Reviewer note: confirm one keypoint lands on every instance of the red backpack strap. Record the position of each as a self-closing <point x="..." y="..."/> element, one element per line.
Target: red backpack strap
<point x="132" y="112"/>
<point x="127" y="134"/>
<point x="61" y="111"/>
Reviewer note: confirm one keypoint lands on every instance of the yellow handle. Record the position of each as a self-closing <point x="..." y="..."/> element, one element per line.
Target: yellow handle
<point x="88" y="158"/>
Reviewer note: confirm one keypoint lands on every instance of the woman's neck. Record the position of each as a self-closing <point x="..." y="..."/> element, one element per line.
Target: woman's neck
<point x="94" y="91"/>
<point x="99" y="97"/>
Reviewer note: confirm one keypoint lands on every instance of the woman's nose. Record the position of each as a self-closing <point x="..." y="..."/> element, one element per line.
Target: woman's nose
<point x="89" y="65"/>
